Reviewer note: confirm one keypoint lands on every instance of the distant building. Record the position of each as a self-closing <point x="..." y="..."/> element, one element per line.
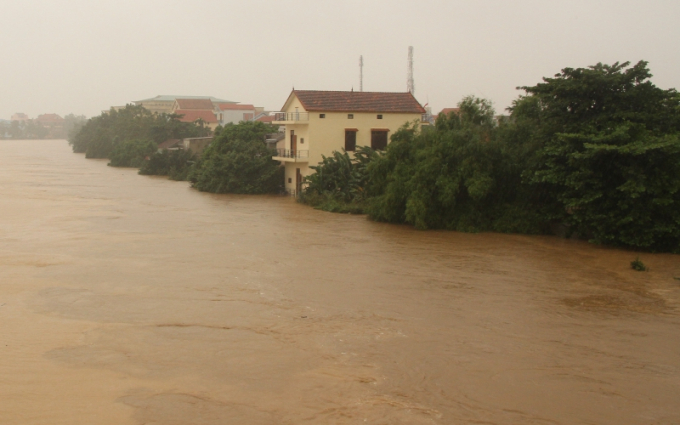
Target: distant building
<point x="20" y="116"/>
<point x="164" y="104"/>
<point x="170" y="145"/>
<point x="191" y="110"/>
<point x="196" y="144"/>
<point x="447" y="111"/>
<point x="235" y="113"/>
<point x="54" y="124"/>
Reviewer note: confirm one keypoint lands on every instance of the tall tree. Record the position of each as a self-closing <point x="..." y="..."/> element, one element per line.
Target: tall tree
<point x="238" y="161"/>
<point x="610" y="153"/>
<point x="100" y="135"/>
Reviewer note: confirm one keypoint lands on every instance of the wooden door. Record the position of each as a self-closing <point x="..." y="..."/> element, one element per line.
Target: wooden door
<point x="293" y="144"/>
<point x="298" y="182"/>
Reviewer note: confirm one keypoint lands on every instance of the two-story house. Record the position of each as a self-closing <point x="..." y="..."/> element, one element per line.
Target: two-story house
<point x="320" y="122"/>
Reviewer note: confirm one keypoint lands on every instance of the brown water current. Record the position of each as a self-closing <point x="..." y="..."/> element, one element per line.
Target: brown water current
<point x="127" y="299"/>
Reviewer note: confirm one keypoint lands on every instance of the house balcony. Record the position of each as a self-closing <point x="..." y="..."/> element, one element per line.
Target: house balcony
<point x="283" y="118"/>
<point x="291" y="155"/>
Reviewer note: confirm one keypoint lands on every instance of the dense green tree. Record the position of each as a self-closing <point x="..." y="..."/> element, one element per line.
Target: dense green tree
<point x="609" y="153"/>
<point x="238" y="161"/>
<point x="100" y="135"/>
<point x="132" y="153"/>
<point x="173" y="163"/>
<point x="459" y="175"/>
<point x="30" y="129"/>
<point x="33" y="130"/>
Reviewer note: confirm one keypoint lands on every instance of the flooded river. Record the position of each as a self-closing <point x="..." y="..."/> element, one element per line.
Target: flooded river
<point x="127" y="299"/>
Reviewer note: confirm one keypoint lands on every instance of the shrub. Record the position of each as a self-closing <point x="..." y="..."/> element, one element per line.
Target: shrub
<point x="132" y="153"/>
<point x="638" y="265"/>
<point x="175" y="164"/>
<point x="340" y="182"/>
<point x="238" y="161"/>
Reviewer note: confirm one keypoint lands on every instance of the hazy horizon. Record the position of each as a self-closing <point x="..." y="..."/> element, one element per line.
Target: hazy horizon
<point x="84" y="57"/>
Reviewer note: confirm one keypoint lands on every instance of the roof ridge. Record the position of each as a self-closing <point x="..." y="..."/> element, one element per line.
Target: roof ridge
<point x="352" y="91"/>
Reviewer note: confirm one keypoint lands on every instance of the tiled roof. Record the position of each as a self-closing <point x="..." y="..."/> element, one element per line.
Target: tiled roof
<point x="192" y="115"/>
<point x="172" y="98"/>
<point x="170" y="143"/>
<point x="204" y="104"/>
<point x="447" y="111"/>
<point x="266" y="118"/>
<point x="50" y="118"/>
<point x="236" y="107"/>
<point x="353" y="101"/>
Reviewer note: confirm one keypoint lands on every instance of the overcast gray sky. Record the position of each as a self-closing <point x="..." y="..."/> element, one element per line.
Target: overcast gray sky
<point x="83" y="56"/>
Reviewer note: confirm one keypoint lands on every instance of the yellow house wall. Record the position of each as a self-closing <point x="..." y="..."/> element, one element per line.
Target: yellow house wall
<point x="328" y="134"/>
<point x="322" y="136"/>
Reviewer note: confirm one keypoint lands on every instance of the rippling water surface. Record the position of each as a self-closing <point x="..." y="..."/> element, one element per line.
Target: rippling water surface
<point x="127" y="299"/>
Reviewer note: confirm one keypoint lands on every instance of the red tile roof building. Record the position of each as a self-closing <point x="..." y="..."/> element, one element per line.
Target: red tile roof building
<point x="194" y="115"/>
<point x="204" y="104"/>
<point x="351" y="101"/>
<point x="50" y="119"/>
<point x="447" y="111"/>
<point x="54" y="123"/>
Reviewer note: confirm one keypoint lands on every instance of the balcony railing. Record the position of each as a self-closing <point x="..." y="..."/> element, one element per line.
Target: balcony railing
<point x="291" y="116"/>
<point x="291" y="153"/>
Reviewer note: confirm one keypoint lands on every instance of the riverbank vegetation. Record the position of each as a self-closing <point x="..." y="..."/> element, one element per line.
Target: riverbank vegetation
<point x="238" y="161"/>
<point x="132" y="153"/>
<point x="176" y="164"/>
<point x="339" y="183"/>
<point x="594" y="151"/>
<point x="102" y="134"/>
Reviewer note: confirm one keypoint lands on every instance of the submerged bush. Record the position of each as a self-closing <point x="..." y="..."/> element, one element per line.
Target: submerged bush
<point x="340" y="182"/>
<point x="238" y="161"/>
<point x="638" y="265"/>
<point x="132" y="153"/>
<point x="175" y="164"/>
<point x="463" y="174"/>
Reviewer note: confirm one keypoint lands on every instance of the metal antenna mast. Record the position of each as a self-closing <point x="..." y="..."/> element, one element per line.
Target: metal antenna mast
<point x="361" y="73"/>
<point x="410" y="85"/>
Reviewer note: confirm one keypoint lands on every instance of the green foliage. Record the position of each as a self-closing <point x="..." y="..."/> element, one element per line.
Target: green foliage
<point x="609" y="154"/>
<point x="328" y="202"/>
<point x="238" y="161"/>
<point x="173" y="163"/>
<point x="132" y="153"/>
<point x="340" y="181"/>
<point x="638" y="265"/>
<point x="100" y="135"/>
<point x="73" y="124"/>
<point x="463" y="174"/>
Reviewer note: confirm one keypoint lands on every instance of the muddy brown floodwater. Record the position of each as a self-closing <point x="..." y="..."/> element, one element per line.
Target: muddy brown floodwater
<point x="127" y="299"/>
